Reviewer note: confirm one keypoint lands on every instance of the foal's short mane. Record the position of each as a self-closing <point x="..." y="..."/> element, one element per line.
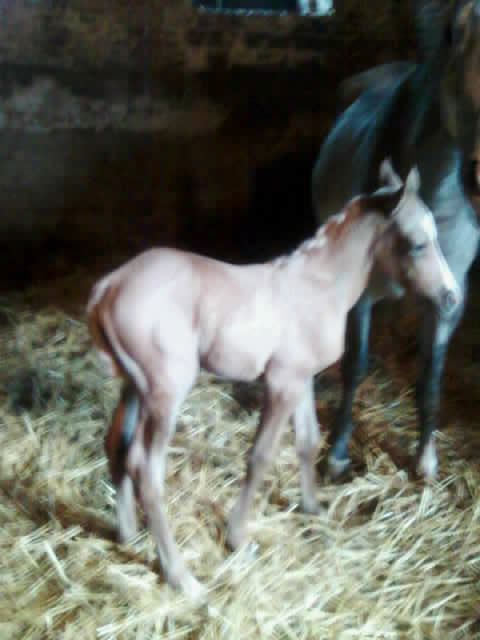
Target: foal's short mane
<point x="383" y="202"/>
<point x="328" y="232"/>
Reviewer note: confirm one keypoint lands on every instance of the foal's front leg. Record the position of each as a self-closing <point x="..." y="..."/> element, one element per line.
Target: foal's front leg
<point x="279" y="407"/>
<point x="307" y="436"/>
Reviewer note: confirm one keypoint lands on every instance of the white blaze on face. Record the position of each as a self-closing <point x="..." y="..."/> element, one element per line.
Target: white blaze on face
<point x="416" y="223"/>
<point x="429" y="228"/>
<point x="447" y="276"/>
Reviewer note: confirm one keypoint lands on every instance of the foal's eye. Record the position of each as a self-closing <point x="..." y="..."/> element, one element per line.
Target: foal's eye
<point x="416" y="249"/>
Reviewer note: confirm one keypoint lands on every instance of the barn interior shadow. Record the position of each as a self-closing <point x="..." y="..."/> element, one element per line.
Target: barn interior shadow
<point x="278" y="216"/>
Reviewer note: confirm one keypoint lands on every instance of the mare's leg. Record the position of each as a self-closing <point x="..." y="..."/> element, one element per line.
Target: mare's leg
<point x="124" y="424"/>
<point x="307" y="437"/>
<point x="353" y="369"/>
<point x="435" y="336"/>
<point x="147" y="461"/>
<point x="279" y="406"/>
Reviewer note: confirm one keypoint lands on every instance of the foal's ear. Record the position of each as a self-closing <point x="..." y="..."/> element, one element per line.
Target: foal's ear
<point x="383" y="201"/>
<point x="388" y="176"/>
<point x="412" y="183"/>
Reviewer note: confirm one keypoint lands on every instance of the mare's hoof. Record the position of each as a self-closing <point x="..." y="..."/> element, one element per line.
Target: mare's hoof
<point x="427" y="463"/>
<point x="336" y="466"/>
<point x="425" y="472"/>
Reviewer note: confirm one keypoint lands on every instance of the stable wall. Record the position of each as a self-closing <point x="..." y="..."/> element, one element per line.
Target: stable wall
<point x="170" y="124"/>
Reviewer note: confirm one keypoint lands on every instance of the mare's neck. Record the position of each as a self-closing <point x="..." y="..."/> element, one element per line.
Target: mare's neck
<point x="422" y="103"/>
<point x="414" y="111"/>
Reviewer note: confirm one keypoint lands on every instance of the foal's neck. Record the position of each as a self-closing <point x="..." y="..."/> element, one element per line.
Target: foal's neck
<point x="340" y="253"/>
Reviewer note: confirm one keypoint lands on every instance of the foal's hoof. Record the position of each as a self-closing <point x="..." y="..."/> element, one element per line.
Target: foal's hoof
<point x="234" y="542"/>
<point x="235" y="538"/>
<point x="312" y="508"/>
<point x="246" y="555"/>
<point x="194" y="590"/>
<point x="250" y="551"/>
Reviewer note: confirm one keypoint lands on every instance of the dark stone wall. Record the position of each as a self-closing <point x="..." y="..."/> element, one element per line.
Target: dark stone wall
<point x="157" y="122"/>
<point x="158" y="34"/>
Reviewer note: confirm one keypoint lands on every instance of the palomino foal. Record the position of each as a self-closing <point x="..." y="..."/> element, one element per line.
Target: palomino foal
<point x="166" y="313"/>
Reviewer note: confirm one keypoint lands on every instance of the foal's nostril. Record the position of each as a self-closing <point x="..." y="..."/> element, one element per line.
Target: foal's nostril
<point x="448" y="300"/>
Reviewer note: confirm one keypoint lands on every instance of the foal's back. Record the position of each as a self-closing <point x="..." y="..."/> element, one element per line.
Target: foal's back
<point x="229" y="318"/>
<point x="184" y="302"/>
<point x="163" y="275"/>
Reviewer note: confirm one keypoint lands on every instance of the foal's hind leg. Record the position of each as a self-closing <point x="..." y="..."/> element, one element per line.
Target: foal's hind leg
<point x="353" y="369"/>
<point x="124" y="424"/>
<point x="307" y="437"/>
<point x="163" y="403"/>
<point x="436" y="333"/>
<point x="278" y="408"/>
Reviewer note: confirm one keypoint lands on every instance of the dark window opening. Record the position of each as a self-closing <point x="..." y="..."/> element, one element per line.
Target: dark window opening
<point x="305" y="7"/>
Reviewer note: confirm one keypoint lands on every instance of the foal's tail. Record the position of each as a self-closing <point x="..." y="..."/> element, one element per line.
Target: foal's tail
<point x="119" y="363"/>
<point x="95" y="314"/>
<point x="120" y="435"/>
<point x="101" y="326"/>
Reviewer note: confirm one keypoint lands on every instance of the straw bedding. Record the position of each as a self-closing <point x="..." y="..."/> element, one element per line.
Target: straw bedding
<point x="389" y="557"/>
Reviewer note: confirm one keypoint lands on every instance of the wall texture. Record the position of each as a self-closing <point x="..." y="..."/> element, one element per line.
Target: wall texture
<point x="84" y="35"/>
<point x="130" y="123"/>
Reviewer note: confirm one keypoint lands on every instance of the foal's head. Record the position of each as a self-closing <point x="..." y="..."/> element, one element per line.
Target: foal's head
<point x="407" y="248"/>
